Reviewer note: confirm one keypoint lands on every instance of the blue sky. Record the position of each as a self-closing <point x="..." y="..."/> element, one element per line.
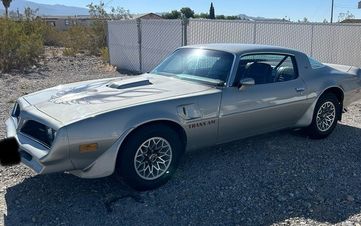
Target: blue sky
<point x="314" y="10"/>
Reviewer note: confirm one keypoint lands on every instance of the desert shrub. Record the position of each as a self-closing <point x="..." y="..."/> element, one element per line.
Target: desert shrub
<point x="21" y="44"/>
<point x="69" y="52"/>
<point x="74" y="38"/>
<point x="77" y="39"/>
<point x="52" y="37"/>
<point x="100" y="33"/>
<point x="93" y="39"/>
<point x="100" y="15"/>
<point x="89" y="40"/>
<point x="104" y="54"/>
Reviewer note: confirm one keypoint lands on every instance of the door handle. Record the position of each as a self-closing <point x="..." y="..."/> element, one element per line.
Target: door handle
<point x="299" y="90"/>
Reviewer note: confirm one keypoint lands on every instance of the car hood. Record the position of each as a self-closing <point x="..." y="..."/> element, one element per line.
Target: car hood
<point x="76" y="101"/>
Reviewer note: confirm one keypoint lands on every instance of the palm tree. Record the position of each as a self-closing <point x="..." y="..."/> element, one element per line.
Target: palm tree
<point x="6" y="4"/>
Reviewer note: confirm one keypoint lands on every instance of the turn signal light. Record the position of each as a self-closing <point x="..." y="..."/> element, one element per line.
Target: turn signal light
<point x="85" y="148"/>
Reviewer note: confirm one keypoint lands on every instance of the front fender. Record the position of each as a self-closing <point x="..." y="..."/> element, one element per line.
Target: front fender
<point x="108" y="129"/>
<point x="104" y="165"/>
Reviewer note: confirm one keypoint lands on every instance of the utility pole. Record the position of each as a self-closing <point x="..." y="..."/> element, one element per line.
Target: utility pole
<point x="333" y="2"/>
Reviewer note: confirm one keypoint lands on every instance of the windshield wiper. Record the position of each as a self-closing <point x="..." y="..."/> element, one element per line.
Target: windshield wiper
<point x="209" y="81"/>
<point x="215" y="82"/>
<point x="164" y="73"/>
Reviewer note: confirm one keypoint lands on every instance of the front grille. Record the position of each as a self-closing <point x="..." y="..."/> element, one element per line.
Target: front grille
<point x="39" y="132"/>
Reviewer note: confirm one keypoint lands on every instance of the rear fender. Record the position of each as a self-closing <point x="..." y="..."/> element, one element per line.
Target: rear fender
<point x="306" y="119"/>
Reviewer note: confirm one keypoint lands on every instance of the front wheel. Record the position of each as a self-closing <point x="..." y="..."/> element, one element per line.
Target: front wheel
<point x="325" y="116"/>
<point x="149" y="157"/>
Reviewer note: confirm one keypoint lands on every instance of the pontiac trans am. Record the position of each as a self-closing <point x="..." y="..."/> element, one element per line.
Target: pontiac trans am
<point x="203" y="95"/>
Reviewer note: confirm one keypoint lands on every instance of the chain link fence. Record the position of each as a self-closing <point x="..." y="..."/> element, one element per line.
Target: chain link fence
<point x="296" y="36"/>
<point x="219" y="31"/>
<point x="159" y="39"/>
<point x="124" y="44"/>
<point x="139" y="45"/>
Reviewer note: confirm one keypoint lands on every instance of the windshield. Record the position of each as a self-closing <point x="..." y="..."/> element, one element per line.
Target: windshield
<point x="200" y="65"/>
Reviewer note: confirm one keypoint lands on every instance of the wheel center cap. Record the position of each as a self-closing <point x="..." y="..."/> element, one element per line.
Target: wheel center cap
<point x="153" y="157"/>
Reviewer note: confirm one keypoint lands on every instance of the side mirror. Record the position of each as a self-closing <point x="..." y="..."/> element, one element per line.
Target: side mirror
<point x="245" y="82"/>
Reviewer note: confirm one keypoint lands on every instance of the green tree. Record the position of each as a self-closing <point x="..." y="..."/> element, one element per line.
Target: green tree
<point x="92" y="39"/>
<point x="187" y="12"/>
<point x="212" y="15"/>
<point x="6" y="4"/>
<point x="119" y="13"/>
<point x="220" y="17"/>
<point x="175" y="14"/>
<point x="99" y="12"/>
<point x="232" y="17"/>
<point x="202" y="15"/>
<point x="345" y="16"/>
<point x="30" y="14"/>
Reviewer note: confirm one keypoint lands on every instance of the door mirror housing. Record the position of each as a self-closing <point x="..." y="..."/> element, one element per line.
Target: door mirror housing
<point x="245" y="82"/>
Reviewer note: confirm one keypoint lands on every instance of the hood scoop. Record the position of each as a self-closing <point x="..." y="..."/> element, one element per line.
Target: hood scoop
<point x="127" y="85"/>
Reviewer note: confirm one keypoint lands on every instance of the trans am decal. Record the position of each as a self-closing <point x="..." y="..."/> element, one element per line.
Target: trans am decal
<point x="201" y="124"/>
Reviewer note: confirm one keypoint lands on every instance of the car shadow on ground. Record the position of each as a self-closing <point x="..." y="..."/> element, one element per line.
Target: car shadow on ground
<point x="256" y="181"/>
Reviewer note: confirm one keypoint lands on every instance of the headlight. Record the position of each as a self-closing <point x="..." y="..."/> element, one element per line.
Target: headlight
<point x="39" y="132"/>
<point x="16" y="110"/>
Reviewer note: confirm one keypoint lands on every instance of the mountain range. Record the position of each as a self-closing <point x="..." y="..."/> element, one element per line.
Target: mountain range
<point x="258" y="18"/>
<point x="62" y="10"/>
<point x="45" y="9"/>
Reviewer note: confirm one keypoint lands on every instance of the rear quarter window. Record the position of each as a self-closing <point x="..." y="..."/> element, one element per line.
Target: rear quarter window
<point x="315" y="64"/>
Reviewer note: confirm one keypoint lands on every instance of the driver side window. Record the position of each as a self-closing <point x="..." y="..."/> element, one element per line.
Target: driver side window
<point x="267" y="68"/>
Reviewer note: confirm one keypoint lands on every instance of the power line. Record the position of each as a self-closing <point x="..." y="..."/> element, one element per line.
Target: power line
<point x="345" y="7"/>
<point x="343" y="4"/>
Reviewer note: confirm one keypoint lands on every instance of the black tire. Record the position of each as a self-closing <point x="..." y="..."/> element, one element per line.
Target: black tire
<point x="314" y="131"/>
<point x="126" y="169"/>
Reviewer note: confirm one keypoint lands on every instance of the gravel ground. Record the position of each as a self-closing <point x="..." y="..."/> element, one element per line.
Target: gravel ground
<point x="280" y="178"/>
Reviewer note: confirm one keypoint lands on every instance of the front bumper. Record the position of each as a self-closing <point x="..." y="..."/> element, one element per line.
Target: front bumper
<point x="30" y="151"/>
<point x="43" y="160"/>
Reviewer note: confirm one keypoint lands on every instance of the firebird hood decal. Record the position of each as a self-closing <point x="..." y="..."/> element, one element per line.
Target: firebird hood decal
<point x="103" y="92"/>
<point x="85" y="99"/>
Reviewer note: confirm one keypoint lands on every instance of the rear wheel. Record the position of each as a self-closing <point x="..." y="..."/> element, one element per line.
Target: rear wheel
<point x="149" y="157"/>
<point x="325" y="116"/>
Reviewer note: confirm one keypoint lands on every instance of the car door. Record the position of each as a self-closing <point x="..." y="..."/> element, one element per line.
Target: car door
<point x="276" y="100"/>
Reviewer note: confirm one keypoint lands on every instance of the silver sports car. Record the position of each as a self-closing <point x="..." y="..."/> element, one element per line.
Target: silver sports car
<point x="138" y="128"/>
